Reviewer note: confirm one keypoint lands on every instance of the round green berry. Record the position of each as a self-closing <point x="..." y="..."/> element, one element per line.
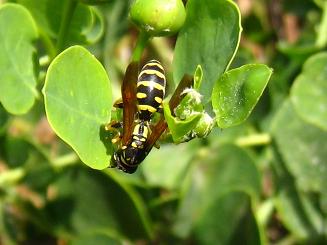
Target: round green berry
<point x="158" y="17"/>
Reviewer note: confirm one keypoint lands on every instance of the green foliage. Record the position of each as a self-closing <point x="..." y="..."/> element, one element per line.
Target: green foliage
<point x="305" y="148"/>
<point x="179" y="128"/>
<point x="216" y="24"/>
<point x="16" y="59"/>
<point x="237" y="92"/>
<point x="215" y="192"/>
<point x="49" y="13"/>
<point x="243" y="158"/>
<point x="310" y="89"/>
<point x="77" y="98"/>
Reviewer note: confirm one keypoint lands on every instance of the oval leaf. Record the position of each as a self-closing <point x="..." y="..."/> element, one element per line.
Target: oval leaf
<point x="160" y="174"/>
<point x="303" y="148"/>
<point x="89" y="201"/>
<point x="77" y="96"/>
<point x="237" y="92"/>
<point x="17" y="78"/>
<point x="311" y="83"/>
<point x="224" y="218"/>
<point x="297" y="212"/>
<point x="217" y="23"/>
<point x="229" y="169"/>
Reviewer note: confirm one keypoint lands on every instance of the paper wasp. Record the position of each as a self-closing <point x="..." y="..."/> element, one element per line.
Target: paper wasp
<point x="142" y="95"/>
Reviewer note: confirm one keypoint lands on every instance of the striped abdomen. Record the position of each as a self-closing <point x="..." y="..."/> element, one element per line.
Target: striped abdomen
<point x="151" y="86"/>
<point x="130" y="156"/>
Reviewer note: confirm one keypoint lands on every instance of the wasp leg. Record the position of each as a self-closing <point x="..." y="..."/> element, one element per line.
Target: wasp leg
<point x="114" y="127"/>
<point x="119" y="103"/>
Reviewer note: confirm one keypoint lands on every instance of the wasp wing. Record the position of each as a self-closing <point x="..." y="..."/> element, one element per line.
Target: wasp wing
<point x="160" y="127"/>
<point x="128" y="92"/>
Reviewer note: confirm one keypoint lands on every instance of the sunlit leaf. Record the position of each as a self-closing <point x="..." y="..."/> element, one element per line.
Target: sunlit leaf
<point x="78" y="102"/>
<point x="17" y="78"/>
<point x="215" y="23"/>
<point x="84" y="27"/>
<point x="168" y="174"/>
<point x="237" y="92"/>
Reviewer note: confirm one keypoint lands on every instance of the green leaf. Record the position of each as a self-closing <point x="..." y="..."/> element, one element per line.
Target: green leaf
<point x="297" y="210"/>
<point x="168" y="174"/>
<point x="224" y="170"/>
<point x="18" y="82"/>
<point x="224" y="218"/>
<point x="215" y="23"/>
<point x="77" y="95"/>
<point x="237" y="92"/>
<point x="303" y="148"/>
<point x="179" y="128"/>
<point x="309" y="91"/>
<point x="49" y="13"/>
<point x="89" y="201"/>
<point x="298" y="213"/>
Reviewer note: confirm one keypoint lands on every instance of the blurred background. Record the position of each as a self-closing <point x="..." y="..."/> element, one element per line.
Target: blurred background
<point x="263" y="182"/>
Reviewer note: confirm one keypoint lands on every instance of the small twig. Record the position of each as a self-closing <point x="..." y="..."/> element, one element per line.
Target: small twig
<point x="65" y="24"/>
<point x="253" y="140"/>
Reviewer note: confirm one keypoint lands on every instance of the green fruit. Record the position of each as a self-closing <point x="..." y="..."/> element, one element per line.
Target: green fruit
<point x="158" y="17"/>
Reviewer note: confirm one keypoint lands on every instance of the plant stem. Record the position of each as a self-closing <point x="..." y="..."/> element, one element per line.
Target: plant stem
<point x="142" y="41"/>
<point x="11" y="176"/>
<point x="265" y="211"/>
<point x="321" y="40"/>
<point x="48" y="45"/>
<point x="66" y="160"/>
<point x="254" y="139"/>
<point x="68" y="13"/>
